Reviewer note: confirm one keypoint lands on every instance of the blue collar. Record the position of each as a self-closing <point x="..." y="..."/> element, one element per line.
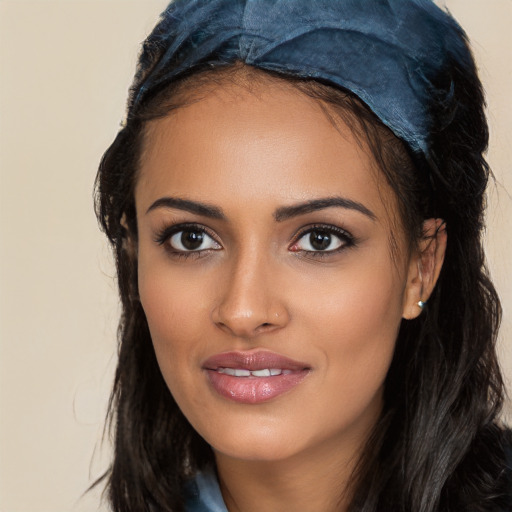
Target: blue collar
<point x="204" y="494"/>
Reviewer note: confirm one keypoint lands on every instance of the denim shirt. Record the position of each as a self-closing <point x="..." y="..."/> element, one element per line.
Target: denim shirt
<point x="204" y="494"/>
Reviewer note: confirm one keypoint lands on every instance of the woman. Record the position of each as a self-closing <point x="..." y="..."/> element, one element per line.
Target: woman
<point x="296" y="205"/>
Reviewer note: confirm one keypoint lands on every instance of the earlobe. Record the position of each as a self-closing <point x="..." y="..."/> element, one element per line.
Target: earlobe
<point x="424" y="267"/>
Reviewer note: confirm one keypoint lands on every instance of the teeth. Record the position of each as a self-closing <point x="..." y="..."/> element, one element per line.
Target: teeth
<point x="261" y="373"/>
<point x="235" y="372"/>
<point x="266" y="372"/>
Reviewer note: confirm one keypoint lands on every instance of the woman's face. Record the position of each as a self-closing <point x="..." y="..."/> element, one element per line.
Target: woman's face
<point x="266" y="271"/>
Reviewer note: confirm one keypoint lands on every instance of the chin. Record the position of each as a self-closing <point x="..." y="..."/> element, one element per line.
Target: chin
<point x="257" y="450"/>
<point x="254" y="442"/>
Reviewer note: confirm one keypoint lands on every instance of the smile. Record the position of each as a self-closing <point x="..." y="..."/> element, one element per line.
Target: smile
<point x="253" y="377"/>
<point x="266" y="372"/>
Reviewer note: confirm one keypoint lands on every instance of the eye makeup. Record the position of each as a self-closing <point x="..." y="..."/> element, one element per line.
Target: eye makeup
<point x="317" y="240"/>
<point x="186" y="240"/>
<point x="322" y="240"/>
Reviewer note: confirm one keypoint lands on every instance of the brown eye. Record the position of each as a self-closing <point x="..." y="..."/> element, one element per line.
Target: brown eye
<point x="320" y="240"/>
<point x="323" y="240"/>
<point x="192" y="240"/>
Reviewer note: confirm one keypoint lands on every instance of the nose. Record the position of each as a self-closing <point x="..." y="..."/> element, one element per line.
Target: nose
<point x="250" y="302"/>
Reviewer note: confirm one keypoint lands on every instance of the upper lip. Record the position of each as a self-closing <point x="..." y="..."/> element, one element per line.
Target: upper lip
<point x="255" y="360"/>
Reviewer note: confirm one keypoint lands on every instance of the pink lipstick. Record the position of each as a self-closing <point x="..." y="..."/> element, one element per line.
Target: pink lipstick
<point x="253" y="377"/>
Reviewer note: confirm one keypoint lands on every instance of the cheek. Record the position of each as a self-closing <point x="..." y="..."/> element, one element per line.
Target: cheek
<point x="177" y="313"/>
<point x="353" y="320"/>
<point x="168" y="305"/>
<point x="362" y="297"/>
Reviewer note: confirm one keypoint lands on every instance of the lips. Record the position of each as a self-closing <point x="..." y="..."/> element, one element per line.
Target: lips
<point x="253" y="377"/>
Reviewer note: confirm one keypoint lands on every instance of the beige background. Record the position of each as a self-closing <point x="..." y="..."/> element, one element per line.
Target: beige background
<point x="65" y="67"/>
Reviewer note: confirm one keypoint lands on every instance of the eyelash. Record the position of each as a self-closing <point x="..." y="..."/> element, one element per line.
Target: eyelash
<point x="164" y="235"/>
<point x="167" y="233"/>
<point x="347" y="240"/>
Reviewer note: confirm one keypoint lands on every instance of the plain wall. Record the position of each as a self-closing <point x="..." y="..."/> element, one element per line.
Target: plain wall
<point x="65" y="67"/>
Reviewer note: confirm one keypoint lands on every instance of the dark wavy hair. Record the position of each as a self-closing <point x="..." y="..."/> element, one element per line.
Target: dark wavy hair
<point x="438" y="444"/>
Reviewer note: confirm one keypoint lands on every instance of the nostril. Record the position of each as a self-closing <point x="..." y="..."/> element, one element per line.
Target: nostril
<point x="246" y="321"/>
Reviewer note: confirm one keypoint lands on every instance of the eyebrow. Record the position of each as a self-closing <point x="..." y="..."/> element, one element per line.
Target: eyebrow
<point x="287" y="212"/>
<point x="203" y="209"/>
<point x="281" y="214"/>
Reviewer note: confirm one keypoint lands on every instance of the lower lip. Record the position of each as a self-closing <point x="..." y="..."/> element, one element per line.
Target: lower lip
<point x="254" y="390"/>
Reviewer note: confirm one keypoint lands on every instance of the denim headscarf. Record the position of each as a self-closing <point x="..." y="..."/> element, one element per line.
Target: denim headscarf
<point x="395" y="55"/>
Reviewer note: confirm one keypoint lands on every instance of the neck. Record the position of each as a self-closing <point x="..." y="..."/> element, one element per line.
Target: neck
<point x="309" y="482"/>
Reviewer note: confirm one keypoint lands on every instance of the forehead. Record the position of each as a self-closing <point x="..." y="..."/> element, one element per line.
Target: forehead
<point x="257" y="141"/>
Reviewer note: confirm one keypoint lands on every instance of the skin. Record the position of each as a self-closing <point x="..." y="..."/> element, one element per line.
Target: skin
<point x="258" y="286"/>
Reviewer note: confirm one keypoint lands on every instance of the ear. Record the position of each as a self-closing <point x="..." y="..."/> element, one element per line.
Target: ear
<point x="129" y="244"/>
<point x="424" y="267"/>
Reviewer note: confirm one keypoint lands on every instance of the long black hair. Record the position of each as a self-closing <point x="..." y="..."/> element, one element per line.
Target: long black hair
<point x="438" y="444"/>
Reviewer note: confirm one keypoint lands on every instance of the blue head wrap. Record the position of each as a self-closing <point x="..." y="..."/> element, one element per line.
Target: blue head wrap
<point x="392" y="54"/>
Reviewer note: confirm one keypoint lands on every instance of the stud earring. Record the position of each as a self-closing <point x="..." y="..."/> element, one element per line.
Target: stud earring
<point x="421" y="304"/>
